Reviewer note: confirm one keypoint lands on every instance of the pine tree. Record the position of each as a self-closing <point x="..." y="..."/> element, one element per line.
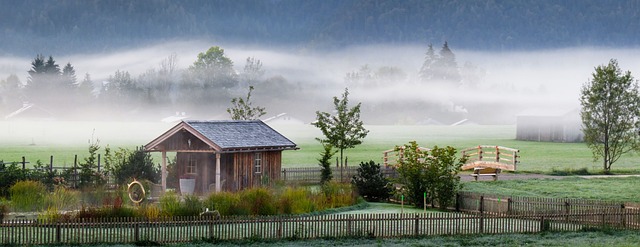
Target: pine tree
<point x="447" y="67"/>
<point x="69" y="76"/>
<point x="426" y="72"/>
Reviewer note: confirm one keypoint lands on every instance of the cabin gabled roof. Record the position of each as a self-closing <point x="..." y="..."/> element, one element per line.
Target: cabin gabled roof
<point x="229" y="136"/>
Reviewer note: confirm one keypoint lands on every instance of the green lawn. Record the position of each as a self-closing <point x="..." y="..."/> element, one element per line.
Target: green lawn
<point x="610" y="189"/>
<point x="40" y="140"/>
<point x="535" y="156"/>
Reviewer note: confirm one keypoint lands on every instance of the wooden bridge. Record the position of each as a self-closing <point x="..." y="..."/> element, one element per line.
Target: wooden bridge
<point x="480" y="156"/>
<point x="491" y="156"/>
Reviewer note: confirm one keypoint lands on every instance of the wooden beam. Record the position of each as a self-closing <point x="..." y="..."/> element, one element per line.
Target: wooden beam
<point x="163" y="171"/>
<point x="218" y="183"/>
<point x="185" y="151"/>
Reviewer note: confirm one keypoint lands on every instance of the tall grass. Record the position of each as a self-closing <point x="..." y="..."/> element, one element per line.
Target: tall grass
<point x="296" y="201"/>
<point x="62" y="199"/>
<point x="287" y="200"/>
<point x="27" y="195"/>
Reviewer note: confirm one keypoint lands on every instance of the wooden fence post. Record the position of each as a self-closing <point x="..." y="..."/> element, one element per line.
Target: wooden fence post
<point x="210" y="218"/>
<point x="58" y="232"/>
<point x="136" y="233"/>
<point x="481" y="208"/>
<point x="542" y="224"/>
<point x="279" y="234"/>
<point x="349" y="225"/>
<point x="75" y="171"/>
<point x="623" y="216"/>
<point x="24" y="162"/>
<point x="417" y="226"/>
<point x="98" y="162"/>
<point x="51" y="163"/>
<point x="497" y="154"/>
<point x="458" y="202"/>
<point x="566" y="211"/>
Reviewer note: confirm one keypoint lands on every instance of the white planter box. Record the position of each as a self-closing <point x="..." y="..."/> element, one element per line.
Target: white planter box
<point x="187" y="186"/>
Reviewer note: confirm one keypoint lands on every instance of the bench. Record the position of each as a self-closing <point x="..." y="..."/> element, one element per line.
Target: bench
<point x="485" y="171"/>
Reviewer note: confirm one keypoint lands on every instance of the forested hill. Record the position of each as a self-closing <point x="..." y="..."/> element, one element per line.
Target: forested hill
<point x="35" y="26"/>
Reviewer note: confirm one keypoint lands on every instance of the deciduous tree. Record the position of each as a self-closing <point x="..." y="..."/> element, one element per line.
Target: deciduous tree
<point x="610" y="113"/>
<point x="243" y="110"/>
<point x="344" y="129"/>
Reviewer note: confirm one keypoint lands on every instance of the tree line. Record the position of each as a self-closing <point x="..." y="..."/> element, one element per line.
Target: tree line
<point x="205" y="88"/>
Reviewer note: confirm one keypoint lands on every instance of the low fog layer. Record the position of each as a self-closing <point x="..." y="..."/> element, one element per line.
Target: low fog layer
<point x="495" y="87"/>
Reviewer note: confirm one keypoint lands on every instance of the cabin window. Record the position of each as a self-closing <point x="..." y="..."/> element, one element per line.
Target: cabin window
<point x="257" y="162"/>
<point x="192" y="165"/>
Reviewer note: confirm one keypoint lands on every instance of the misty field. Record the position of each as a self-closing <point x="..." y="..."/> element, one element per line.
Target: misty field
<point x="39" y="140"/>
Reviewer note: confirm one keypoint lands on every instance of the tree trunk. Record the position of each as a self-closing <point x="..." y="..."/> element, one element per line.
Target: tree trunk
<point x="341" y="167"/>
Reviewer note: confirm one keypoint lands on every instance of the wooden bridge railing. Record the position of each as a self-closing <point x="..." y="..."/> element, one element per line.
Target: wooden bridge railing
<point x="390" y="157"/>
<point x="491" y="156"/>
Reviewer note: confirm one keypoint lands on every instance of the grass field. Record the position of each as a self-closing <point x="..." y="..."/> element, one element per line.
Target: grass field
<point x="40" y="140"/>
<point x="609" y="189"/>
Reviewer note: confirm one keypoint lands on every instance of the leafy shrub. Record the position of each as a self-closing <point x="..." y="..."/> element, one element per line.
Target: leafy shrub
<point x="434" y="172"/>
<point x="371" y="183"/>
<point x="9" y="175"/>
<point x="42" y="173"/>
<point x="27" y="195"/>
<point x="135" y="164"/>
<point x="4" y="208"/>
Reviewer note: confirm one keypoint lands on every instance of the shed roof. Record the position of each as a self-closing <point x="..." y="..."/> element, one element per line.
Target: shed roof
<point x="227" y="136"/>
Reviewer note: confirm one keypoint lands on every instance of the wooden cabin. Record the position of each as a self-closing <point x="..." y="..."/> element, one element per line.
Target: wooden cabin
<point x="223" y="155"/>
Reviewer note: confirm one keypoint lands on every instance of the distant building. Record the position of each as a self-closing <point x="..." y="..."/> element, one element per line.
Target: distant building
<point x="282" y="118"/>
<point x="30" y="111"/>
<point x="546" y="126"/>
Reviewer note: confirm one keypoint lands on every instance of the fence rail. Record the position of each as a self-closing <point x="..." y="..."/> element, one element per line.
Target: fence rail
<point x="185" y="229"/>
<point x="73" y="176"/>
<point x="312" y="175"/>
